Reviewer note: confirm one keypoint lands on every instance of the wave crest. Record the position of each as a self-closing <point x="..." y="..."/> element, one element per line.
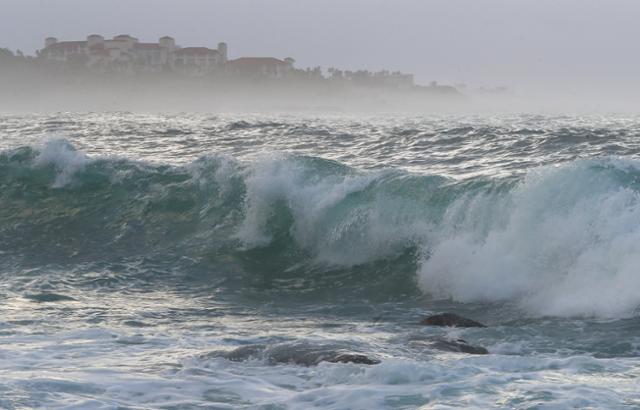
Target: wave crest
<point x="559" y="241"/>
<point x="565" y="241"/>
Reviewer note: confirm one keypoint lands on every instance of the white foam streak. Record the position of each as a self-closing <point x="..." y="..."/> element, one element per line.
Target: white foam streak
<point x="566" y="242"/>
<point x="66" y="160"/>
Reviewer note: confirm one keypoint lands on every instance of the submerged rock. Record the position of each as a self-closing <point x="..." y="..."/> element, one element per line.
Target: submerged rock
<point x="449" y="345"/>
<point x="49" y="297"/>
<point x="458" y="345"/>
<point x="450" y="319"/>
<point x="352" y="358"/>
<point x="295" y="353"/>
<point x="242" y="353"/>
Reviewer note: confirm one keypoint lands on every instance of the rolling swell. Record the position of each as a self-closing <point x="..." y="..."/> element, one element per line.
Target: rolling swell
<point x="560" y="240"/>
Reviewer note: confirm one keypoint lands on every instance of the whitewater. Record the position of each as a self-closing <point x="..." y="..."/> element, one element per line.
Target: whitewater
<point x="183" y="261"/>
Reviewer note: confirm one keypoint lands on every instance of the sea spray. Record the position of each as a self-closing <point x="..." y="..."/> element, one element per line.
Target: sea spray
<point x="564" y="241"/>
<point x="63" y="156"/>
<point x="561" y="240"/>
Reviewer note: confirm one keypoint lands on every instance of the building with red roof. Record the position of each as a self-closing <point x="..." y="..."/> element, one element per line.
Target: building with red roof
<point x="126" y="53"/>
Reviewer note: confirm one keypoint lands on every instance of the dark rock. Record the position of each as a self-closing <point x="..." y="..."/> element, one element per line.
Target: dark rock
<point x="449" y="345"/>
<point x="243" y="353"/>
<point x="450" y="319"/>
<point x="294" y="353"/>
<point x="353" y="358"/>
<point x="311" y="355"/>
<point x="458" y="345"/>
<point x="49" y="297"/>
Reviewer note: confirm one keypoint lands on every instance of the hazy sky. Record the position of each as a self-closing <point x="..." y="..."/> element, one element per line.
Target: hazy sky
<point x="568" y="44"/>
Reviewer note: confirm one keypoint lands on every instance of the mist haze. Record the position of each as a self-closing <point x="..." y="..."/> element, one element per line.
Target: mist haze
<point x="579" y="54"/>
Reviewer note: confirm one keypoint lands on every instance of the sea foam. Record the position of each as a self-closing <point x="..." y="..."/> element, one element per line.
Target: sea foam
<point x="565" y="241"/>
<point x="63" y="156"/>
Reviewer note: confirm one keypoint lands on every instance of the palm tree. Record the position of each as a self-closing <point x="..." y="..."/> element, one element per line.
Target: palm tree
<point x="6" y="53"/>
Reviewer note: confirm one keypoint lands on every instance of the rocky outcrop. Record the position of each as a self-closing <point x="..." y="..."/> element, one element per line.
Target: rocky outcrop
<point x="241" y="353"/>
<point x="458" y="345"/>
<point x="450" y="319"/>
<point x="352" y="358"/>
<point x="294" y="353"/>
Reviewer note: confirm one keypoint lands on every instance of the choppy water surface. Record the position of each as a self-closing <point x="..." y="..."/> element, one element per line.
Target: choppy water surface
<point x="137" y="251"/>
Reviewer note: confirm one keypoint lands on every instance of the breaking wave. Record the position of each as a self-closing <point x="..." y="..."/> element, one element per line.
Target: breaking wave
<point x="562" y="240"/>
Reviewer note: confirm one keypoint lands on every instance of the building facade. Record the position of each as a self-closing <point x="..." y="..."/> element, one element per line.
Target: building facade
<point x="260" y="67"/>
<point x="124" y="53"/>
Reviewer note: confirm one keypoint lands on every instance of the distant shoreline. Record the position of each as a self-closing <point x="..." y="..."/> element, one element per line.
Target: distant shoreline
<point x="30" y="87"/>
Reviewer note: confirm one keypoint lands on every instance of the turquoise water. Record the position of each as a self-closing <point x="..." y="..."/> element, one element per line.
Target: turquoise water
<point x="136" y="249"/>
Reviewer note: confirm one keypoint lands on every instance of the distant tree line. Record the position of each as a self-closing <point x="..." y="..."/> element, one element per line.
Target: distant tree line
<point x="76" y="67"/>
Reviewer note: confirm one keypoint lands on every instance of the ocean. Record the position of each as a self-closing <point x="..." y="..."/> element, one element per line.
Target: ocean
<point x="233" y="261"/>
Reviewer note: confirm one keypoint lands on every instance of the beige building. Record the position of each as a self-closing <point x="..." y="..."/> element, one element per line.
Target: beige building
<point x="199" y="60"/>
<point x="125" y="53"/>
<point x="268" y="67"/>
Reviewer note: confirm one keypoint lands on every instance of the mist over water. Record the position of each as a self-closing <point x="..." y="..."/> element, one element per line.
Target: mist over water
<point x="33" y="85"/>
